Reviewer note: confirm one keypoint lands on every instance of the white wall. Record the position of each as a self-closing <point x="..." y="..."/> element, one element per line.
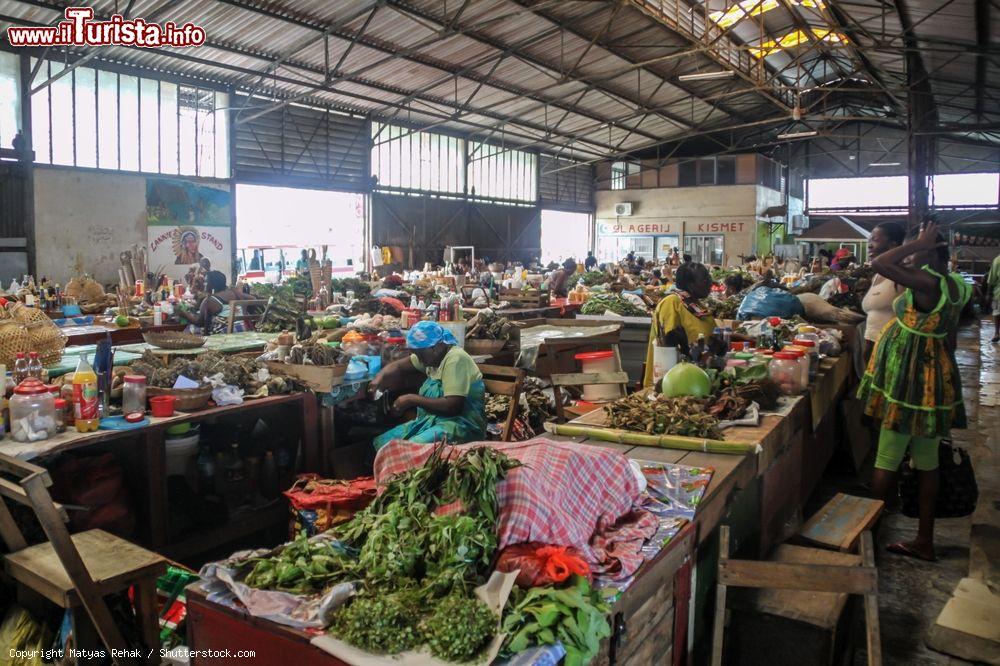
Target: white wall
<point x="86" y="218"/>
<point x="692" y="210"/>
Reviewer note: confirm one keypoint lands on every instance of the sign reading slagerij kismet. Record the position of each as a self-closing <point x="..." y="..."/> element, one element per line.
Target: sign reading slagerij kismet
<point x="187" y="223"/>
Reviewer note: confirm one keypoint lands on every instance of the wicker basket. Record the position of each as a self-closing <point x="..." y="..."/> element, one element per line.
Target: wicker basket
<point x="479" y="347"/>
<point x="174" y="340"/>
<point x="24" y="329"/>
<point x="185" y="400"/>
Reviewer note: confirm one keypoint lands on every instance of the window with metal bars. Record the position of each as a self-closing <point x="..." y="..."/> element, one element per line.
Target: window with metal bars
<point x="406" y="159"/>
<point x="101" y="119"/>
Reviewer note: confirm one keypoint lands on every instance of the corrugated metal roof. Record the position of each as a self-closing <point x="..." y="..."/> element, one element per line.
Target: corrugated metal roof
<point x="590" y="78"/>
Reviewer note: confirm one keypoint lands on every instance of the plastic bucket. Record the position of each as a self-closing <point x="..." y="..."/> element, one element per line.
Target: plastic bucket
<point x="664" y="358"/>
<point x="162" y="405"/>
<point x="179" y="451"/>
<point x="599" y="361"/>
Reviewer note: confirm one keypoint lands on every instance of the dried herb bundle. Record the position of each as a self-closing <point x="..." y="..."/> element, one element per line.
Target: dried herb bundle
<point x="662" y="415"/>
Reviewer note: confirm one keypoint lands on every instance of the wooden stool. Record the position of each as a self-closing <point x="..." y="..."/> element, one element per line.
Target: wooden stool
<point x="802" y="569"/>
<point x="78" y="570"/>
<point x="841" y="521"/>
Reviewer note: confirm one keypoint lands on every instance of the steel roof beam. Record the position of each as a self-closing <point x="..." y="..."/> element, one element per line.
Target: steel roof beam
<point x="410" y="54"/>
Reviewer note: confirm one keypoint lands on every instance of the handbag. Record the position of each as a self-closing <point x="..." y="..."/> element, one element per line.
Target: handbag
<point x="958" y="492"/>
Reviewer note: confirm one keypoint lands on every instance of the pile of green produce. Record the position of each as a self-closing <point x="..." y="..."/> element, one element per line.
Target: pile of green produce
<point x="303" y="566"/>
<point x="360" y="288"/>
<point x="590" y="279"/>
<point x="284" y="311"/>
<point x="574" y="616"/>
<point x="239" y="371"/>
<point x="417" y="567"/>
<point x="724" y="307"/>
<point x="735" y="388"/>
<point x="598" y="304"/>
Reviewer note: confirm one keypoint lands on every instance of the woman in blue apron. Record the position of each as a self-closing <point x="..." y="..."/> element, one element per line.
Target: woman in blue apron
<point x="452" y="400"/>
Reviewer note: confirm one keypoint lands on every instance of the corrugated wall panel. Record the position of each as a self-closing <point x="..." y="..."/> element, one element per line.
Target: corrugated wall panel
<point x="295" y="145"/>
<point x="566" y="185"/>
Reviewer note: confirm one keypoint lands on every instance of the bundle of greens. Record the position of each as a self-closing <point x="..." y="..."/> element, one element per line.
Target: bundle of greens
<point x="574" y="616"/>
<point x="598" y="304"/>
<point x="303" y="566"/>
<point x="590" y="279"/>
<point x="284" y="310"/>
<point x="360" y="288"/>
<point x="411" y="559"/>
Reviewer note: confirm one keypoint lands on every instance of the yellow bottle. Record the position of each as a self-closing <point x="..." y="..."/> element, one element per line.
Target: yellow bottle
<point x="85" y="410"/>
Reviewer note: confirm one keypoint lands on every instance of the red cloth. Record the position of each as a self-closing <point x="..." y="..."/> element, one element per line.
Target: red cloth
<point x="618" y="545"/>
<point x="560" y="496"/>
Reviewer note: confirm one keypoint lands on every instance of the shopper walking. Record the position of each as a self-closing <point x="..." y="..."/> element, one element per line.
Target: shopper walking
<point x="912" y="385"/>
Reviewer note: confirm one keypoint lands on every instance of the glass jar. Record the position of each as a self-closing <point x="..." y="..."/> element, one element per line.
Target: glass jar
<point x="802" y="358"/>
<point x="812" y="349"/>
<point x="134" y="394"/>
<point x="61" y="418"/>
<point x="32" y="412"/>
<point x="786" y="372"/>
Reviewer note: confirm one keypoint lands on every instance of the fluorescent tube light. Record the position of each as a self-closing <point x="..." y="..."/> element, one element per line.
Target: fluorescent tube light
<point x="884" y="164"/>
<point x="707" y="76"/>
<point x="798" y="135"/>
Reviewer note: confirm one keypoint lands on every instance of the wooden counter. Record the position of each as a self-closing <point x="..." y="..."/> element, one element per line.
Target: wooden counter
<point x="142" y="454"/>
<point x="91" y="334"/>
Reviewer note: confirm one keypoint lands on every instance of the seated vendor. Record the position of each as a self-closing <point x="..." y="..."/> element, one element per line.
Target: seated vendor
<point x="681" y="313"/>
<point x="451" y="403"/>
<point x="213" y="313"/>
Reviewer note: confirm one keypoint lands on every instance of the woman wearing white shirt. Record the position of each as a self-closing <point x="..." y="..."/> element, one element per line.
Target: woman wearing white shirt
<point x="877" y="302"/>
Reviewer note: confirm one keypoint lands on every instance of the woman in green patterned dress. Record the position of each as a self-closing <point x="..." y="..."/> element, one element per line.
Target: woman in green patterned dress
<point x="912" y="385"/>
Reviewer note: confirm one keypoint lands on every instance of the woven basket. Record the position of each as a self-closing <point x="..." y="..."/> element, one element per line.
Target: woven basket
<point x="174" y="340"/>
<point x="479" y="347"/>
<point x="185" y="400"/>
<point x="24" y="329"/>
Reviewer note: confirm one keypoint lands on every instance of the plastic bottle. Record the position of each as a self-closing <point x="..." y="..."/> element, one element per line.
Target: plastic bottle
<point x="765" y="340"/>
<point x="20" y="371"/>
<point x="34" y="365"/>
<point x="85" y="398"/>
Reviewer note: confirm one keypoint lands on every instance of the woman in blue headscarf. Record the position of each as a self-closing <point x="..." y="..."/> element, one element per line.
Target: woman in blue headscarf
<point x="451" y="403"/>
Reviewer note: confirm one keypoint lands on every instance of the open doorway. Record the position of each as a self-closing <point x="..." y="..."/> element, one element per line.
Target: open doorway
<point x="274" y="225"/>
<point x="564" y="235"/>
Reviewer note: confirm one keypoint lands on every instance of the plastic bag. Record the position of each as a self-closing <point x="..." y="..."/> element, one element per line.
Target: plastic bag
<point x="763" y="302"/>
<point x="223" y="393"/>
<point x="830" y="289"/>
<point x="318" y="504"/>
<point x="541" y="565"/>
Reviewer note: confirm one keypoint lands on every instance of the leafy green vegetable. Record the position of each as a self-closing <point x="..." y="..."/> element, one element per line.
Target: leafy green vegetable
<point x="303" y="566"/>
<point x="387" y="624"/>
<point x="575" y="616"/>
<point x="599" y="303"/>
<point x="459" y="628"/>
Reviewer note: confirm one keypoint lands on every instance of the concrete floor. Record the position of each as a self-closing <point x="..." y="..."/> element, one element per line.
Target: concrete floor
<point x="911" y="592"/>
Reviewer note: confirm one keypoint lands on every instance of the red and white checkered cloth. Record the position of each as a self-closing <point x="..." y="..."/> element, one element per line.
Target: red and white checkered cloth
<point x="564" y="493"/>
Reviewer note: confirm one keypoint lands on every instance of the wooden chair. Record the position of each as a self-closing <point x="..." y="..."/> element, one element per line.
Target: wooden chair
<point x="244" y="306"/>
<point x="578" y="379"/>
<point x="78" y="570"/>
<point x="503" y="380"/>
<point x="784" y="575"/>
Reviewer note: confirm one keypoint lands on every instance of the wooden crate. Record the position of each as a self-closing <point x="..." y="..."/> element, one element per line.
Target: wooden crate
<point x="525" y="298"/>
<point x="318" y="378"/>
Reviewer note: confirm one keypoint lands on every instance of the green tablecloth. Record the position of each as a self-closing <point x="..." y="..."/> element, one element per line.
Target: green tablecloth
<point x="225" y="343"/>
<point x="71" y="357"/>
<point x="228" y="343"/>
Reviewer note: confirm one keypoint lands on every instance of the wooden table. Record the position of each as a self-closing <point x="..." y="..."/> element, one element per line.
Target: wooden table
<point x="142" y="454"/>
<point x="224" y="343"/>
<point x="91" y="334"/>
